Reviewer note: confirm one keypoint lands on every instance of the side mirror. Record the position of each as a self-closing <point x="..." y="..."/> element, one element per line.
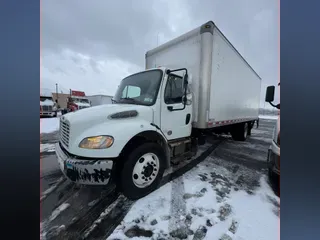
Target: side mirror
<point x="270" y="94"/>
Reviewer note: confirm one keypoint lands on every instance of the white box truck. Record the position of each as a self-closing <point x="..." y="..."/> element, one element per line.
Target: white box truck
<point x="97" y="100"/>
<point x="195" y="84"/>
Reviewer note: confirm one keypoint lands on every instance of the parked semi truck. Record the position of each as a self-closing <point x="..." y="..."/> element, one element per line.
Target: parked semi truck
<point x="193" y="85"/>
<point x="48" y="107"/>
<point x="77" y="100"/>
<point x="274" y="149"/>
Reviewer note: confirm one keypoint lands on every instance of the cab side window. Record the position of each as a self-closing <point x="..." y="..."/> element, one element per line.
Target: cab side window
<point x="173" y="92"/>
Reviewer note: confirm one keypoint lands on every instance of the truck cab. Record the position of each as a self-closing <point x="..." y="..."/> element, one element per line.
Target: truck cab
<point x="77" y="100"/>
<point x="75" y="104"/>
<point x="47" y="107"/>
<point x="274" y="149"/>
<point x="131" y="139"/>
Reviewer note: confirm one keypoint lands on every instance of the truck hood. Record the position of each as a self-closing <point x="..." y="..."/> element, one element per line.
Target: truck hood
<point x="87" y="117"/>
<point x="46" y="102"/>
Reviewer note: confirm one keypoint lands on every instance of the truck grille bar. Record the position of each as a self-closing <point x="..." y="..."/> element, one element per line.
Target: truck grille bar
<point x="47" y="108"/>
<point x="64" y="132"/>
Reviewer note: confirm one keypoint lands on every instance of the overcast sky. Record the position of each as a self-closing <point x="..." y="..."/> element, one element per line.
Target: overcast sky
<point x="92" y="45"/>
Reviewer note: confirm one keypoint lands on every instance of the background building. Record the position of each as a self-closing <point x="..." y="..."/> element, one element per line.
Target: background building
<point x="62" y="99"/>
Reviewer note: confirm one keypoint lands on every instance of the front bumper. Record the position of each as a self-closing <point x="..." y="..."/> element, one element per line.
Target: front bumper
<point x="274" y="158"/>
<point x="88" y="172"/>
<point x="48" y="114"/>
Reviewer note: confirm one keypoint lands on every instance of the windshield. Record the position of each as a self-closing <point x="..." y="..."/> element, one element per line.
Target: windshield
<point x="42" y="99"/>
<point x="141" y="88"/>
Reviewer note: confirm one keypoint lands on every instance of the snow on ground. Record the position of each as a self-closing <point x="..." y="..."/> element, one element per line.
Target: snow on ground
<point x="58" y="210"/>
<point x="47" y="147"/>
<point x="48" y="125"/>
<point x="271" y="117"/>
<point x="53" y="216"/>
<point x="215" y="200"/>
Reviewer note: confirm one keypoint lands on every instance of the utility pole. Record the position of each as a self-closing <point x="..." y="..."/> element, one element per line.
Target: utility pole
<point x="57" y="92"/>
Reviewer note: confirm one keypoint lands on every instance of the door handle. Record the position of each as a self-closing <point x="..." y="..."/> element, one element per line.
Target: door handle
<point x="188" y="118"/>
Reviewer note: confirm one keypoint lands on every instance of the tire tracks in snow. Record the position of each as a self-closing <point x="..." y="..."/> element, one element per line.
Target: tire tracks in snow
<point x="80" y="221"/>
<point x="104" y="228"/>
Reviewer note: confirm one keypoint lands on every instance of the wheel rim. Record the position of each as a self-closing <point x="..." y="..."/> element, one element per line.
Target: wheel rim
<point x="145" y="170"/>
<point x="245" y="130"/>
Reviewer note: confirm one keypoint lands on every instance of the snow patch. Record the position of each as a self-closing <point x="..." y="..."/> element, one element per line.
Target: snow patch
<point x="46" y="102"/>
<point x="102" y="216"/>
<point x="51" y="189"/>
<point x="47" y="147"/>
<point x="149" y="213"/>
<point x="48" y="125"/>
<point x="270" y="117"/>
<point x="256" y="217"/>
<point x="221" y="201"/>
<point x="58" y="210"/>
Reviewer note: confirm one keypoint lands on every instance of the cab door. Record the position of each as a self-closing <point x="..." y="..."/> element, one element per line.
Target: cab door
<point x="176" y="116"/>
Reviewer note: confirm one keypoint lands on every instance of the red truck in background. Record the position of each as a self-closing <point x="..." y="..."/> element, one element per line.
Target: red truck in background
<point x="76" y="101"/>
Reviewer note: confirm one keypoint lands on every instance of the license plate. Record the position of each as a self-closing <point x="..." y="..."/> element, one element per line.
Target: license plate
<point x="69" y="165"/>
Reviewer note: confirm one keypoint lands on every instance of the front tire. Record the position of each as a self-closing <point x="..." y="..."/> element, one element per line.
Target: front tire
<point x="274" y="180"/>
<point x="142" y="171"/>
<point x="240" y="132"/>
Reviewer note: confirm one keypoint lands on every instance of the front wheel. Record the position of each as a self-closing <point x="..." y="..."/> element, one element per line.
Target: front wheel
<point x="274" y="180"/>
<point x="142" y="171"/>
<point x="240" y="132"/>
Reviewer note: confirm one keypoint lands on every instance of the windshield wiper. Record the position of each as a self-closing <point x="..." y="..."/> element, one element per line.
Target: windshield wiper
<point x="130" y="99"/>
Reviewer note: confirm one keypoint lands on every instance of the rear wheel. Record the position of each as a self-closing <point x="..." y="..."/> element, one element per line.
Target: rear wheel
<point x="142" y="171"/>
<point x="250" y="126"/>
<point x="240" y="132"/>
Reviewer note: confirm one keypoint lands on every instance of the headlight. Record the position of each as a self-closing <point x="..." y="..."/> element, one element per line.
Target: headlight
<point x="97" y="142"/>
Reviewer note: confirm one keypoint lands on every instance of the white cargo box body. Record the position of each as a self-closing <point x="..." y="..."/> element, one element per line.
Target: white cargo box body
<point x="97" y="100"/>
<point x="226" y="89"/>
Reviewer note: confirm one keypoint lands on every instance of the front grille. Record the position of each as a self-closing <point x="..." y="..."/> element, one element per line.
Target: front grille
<point x="46" y="108"/>
<point x="64" y="132"/>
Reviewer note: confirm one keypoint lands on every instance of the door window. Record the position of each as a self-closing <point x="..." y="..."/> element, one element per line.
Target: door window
<point x="174" y="90"/>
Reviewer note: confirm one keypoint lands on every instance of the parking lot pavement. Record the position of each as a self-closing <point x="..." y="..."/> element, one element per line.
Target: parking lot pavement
<point x="233" y="167"/>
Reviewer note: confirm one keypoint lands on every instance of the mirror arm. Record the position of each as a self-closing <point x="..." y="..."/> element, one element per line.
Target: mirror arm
<point x="276" y="106"/>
